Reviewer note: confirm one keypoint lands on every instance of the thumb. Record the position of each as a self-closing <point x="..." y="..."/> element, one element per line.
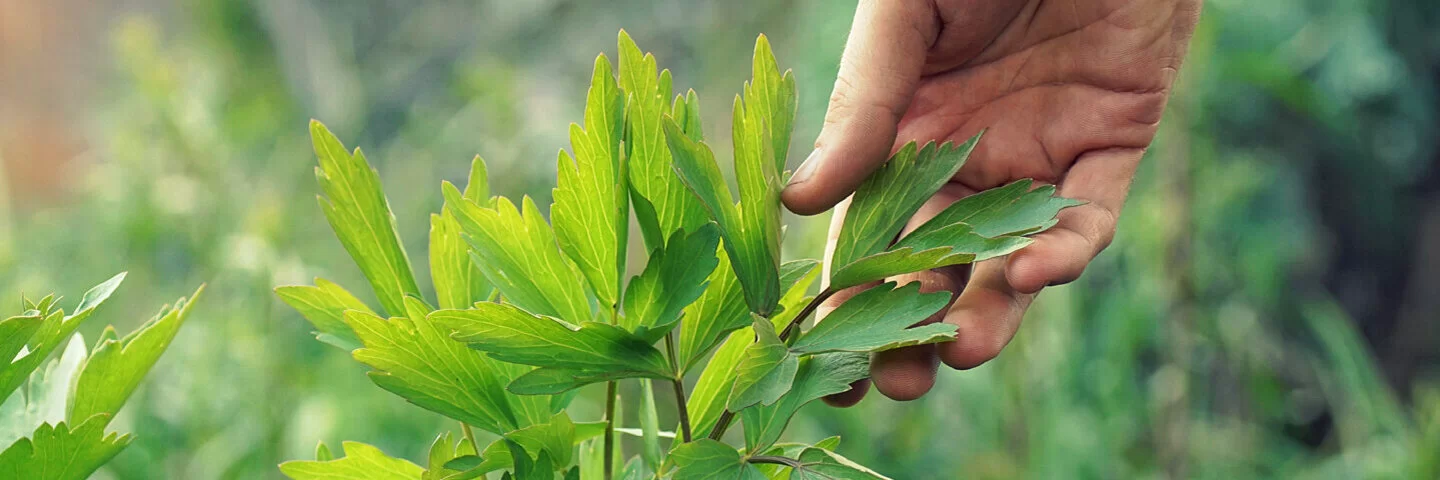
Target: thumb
<point x="878" y="76"/>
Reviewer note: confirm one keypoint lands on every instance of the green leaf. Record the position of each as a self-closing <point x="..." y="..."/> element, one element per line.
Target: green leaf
<point x="555" y="381"/>
<point x="510" y="334"/>
<point x="442" y="451"/>
<point x="1010" y="210"/>
<point x="673" y="279"/>
<point x="55" y="327"/>
<point x="477" y="188"/>
<point x="720" y="311"/>
<point x="458" y="282"/>
<point x="823" y="464"/>
<point x="818" y="376"/>
<point x="707" y="459"/>
<point x="649" y="426"/>
<point x="517" y="253"/>
<point x="541" y="468"/>
<point x="61" y="452"/>
<point x="43" y="399"/>
<point x="355" y="206"/>
<point x="637" y="469"/>
<point x="361" y="462"/>
<point x="686" y="112"/>
<point x="751" y="230"/>
<point x="953" y="244"/>
<point x="116" y="367"/>
<point x="879" y="319"/>
<point x="324" y="305"/>
<point x="765" y="372"/>
<point x="495" y="457"/>
<point x="772" y="96"/>
<point x="417" y="360"/>
<point x="652" y="176"/>
<point x="886" y="200"/>
<point x="591" y="210"/>
<point x="322" y="452"/>
<point x="554" y="437"/>
<point x="712" y="390"/>
<point x="15" y="332"/>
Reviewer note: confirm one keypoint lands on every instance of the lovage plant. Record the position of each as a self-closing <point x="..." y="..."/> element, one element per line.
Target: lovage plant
<point x="69" y="402"/>
<point x="525" y="311"/>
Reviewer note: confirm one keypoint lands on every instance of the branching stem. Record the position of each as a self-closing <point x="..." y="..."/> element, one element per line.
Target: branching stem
<point x="727" y="417"/>
<point x="679" y="383"/>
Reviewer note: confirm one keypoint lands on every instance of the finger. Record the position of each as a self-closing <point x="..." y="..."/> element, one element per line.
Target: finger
<point x="860" y="387"/>
<point x="909" y="373"/>
<point x="879" y="72"/>
<point x="986" y="315"/>
<point x="1060" y="255"/>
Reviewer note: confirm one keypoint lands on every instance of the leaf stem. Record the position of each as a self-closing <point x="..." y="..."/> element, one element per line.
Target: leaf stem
<point x="610" y="394"/>
<point x="776" y="460"/>
<point x="470" y="435"/>
<point x="728" y="416"/>
<point x="794" y="325"/>
<point x="679" y="383"/>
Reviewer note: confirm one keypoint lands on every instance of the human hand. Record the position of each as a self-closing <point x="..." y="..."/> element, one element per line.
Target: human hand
<point x="1069" y="93"/>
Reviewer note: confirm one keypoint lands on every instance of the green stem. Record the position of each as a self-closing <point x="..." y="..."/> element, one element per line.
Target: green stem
<point x="789" y="462"/>
<point x="610" y="395"/>
<point x="727" y="417"/>
<point x="679" y="383"/>
<point x="470" y="435"/>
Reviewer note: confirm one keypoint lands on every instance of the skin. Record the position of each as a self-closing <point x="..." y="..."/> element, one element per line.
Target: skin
<point x="1069" y="93"/>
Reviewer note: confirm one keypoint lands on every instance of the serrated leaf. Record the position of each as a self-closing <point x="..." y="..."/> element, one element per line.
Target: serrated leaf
<point x="686" y="112"/>
<point x="712" y="390"/>
<point x="43" y="399"/>
<point x="555" y="381"/>
<point x="953" y="244"/>
<point x="516" y="251"/>
<point x="417" y="360"/>
<point x="878" y="319"/>
<point x="324" y="305"/>
<point x="554" y="437"/>
<point x="54" y="328"/>
<point x="765" y="372"/>
<point x="818" y="376"/>
<point x="720" y="310"/>
<point x="116" y="367"/>
<point x="1010" y="210"/>
<point x="751" y="229"/>
<point x="442" y="451"/>
<point x="886" y="200"/>
<point x="62" y="452"/>
<point x="510" y="334"/>
<point x="707" y="459"/>
<point x="15" y="332"/>
<point x="458" y="282"/>
<point x="477" y="186"/>
<point x="322" y="452"/>
<point x="823" y="464"/>
<point x="591" y="211"/>
<point x="524" y="468"/>
<point x="495" y="457"/>
<point x="354" y="203"/>
<point x="673" y="279"/>
<point x="652" y="176"/>
<point x="361" y="462"/>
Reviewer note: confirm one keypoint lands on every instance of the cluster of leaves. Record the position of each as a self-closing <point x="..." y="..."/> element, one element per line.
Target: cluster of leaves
<point x="74" y="397"/>
<point x="528" y="310"/>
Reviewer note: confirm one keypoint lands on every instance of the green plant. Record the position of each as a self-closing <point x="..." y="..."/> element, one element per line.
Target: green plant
<point x="540" y="309"/>
<point x="75" y="396"/>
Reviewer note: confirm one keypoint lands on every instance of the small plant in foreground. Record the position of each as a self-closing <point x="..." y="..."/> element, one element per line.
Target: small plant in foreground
<point x="70" y="401"/>
<point x="527" y="311"/>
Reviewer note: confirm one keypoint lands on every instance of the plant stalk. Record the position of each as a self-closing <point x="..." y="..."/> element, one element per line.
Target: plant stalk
<point x="610" y="394"/>
<point x="470" y="435"/>
<point x="679" y="383"/>
<point x="727" y="417"/>
<point x="789" y="462"/>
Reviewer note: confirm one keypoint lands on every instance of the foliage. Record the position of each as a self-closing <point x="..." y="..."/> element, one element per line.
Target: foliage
<point x="561" y="318"/>
<point x="69" y="403"/>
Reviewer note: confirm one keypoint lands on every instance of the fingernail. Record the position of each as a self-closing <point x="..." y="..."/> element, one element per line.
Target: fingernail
<point x="807" y="168"/>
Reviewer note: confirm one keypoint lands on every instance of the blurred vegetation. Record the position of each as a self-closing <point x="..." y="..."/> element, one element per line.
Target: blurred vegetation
<point x="1267" y="310"/>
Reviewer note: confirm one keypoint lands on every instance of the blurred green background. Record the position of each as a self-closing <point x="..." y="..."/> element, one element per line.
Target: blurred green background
<point x="1270" y="308"/>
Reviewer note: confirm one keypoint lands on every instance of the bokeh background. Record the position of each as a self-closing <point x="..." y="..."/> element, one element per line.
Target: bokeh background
<point x="1271" y="307"/>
